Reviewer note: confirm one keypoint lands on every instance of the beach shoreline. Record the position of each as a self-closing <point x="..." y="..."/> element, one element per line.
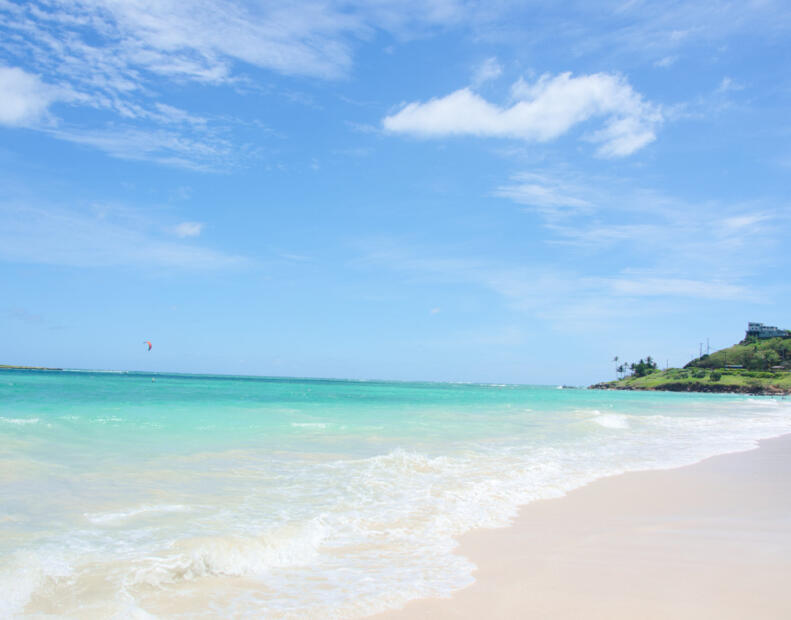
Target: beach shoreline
<point x="286" y="497"/>
<point x="709" y="540"/>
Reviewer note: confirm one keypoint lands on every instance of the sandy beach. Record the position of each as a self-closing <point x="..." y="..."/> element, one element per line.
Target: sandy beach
<point x="712" y="540"/>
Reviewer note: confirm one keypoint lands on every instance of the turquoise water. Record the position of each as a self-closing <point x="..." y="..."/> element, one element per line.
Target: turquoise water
<point x="139" y="495"/>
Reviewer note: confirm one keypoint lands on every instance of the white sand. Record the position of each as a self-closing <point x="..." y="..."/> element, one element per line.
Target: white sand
<point x="712" y="540"/>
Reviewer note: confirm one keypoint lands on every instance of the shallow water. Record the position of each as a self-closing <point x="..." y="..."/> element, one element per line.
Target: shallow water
<point x="138" y="495"/>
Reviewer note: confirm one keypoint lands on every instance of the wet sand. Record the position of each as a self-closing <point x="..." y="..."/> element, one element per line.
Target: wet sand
<point x="712" y="540"/>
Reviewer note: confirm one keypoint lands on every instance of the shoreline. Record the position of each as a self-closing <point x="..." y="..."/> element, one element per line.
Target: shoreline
<point x="712" y="539"/>
<point x="695" y="389"/>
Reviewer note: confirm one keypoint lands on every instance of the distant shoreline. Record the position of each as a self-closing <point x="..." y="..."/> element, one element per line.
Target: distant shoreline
<point x="13" y="367"/>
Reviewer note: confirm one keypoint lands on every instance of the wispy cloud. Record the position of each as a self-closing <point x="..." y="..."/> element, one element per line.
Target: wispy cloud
<point x="543" y="111"/>
<point x="715" y="240"/>
<point x="676" y="287"/>
<point x="121" y="57"/>
<point x="666" y="61"/>
<point x="728" y="85"/>
<point x="545" y="193"/>
<point x="641" y="30"/>
<point x="554" y="294"/>
<point x="203" y="152"/>
<point x="486" y="71"/>
<point x="635" y="252"/>
<point x="99" y="239"/>
<point x="188" y="229"/>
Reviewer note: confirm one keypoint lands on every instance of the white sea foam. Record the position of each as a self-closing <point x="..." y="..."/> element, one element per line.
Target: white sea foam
<point x="605" y="420"/>
<point x="765" y="402"/>
<point x="129" y="610"/>
<point x="612" y="420"/>
<point x="292" y="545"/>
<point x="20" y="420"/>
<point x="352" y="535"/>
<point x="24" y="572"/>
<point x="109" y="518"/>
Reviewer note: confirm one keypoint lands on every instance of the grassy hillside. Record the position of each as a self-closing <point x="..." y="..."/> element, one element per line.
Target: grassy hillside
<point x="706" y="380"/>
<point x="755" y="355"/>
<point x="754" y="367"/>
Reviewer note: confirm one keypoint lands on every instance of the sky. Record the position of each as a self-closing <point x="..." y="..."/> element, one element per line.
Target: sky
<point x="412" y="190"/>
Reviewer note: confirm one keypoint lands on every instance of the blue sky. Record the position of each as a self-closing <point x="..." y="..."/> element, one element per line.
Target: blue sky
<point x="440" y="190"/>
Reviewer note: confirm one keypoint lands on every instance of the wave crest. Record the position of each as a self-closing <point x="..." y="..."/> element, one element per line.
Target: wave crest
<point x="234" y="556"/>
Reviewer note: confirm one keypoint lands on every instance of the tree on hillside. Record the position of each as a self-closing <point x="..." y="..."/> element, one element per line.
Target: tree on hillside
<point x="643" y="367"/>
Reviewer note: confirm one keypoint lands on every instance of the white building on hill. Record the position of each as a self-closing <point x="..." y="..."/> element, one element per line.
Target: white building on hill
<point x="759" y="330"/>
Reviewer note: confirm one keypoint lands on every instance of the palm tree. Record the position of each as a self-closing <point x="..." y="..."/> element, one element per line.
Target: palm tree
<point x="615" y="361"/>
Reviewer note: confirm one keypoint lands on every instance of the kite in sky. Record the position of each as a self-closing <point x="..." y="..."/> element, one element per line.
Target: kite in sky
<point x="148" y="342"/>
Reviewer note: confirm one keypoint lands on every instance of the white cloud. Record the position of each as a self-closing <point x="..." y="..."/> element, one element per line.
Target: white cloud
<point x="543" y="111"/>
<point x="188" y="229"/>
<point x="24" y="98"/>
<point x="623" y="136"/>
<point x="488" y="70"/>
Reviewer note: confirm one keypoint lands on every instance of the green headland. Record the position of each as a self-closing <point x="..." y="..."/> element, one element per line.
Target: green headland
<point x="756" y="365"/>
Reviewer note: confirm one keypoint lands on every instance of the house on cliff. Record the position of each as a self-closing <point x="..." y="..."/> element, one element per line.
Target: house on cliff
<point x="761" y="331"/>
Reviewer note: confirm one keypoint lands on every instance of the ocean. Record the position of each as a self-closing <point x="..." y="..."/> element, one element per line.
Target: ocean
<point x="126" y="494"/>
